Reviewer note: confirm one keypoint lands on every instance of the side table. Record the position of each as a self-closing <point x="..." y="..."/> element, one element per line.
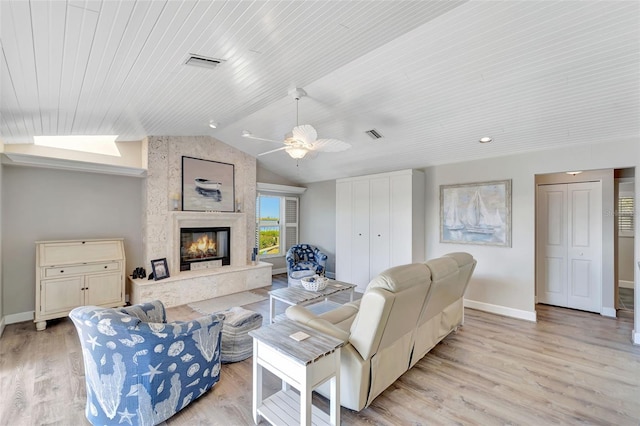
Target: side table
<point x="304" y="365"/>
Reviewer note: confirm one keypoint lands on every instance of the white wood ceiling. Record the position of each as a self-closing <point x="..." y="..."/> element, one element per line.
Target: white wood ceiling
<point x="431" y="76"/>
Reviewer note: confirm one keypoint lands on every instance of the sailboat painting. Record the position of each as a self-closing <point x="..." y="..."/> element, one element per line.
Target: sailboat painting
<point x="476" y="213"/>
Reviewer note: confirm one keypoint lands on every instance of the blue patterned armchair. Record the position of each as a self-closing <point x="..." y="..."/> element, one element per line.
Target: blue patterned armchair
<point x="141" y="370"/>
<point x="305" y="257"/>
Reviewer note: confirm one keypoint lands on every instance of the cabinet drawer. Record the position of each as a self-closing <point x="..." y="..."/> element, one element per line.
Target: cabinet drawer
<point x="64" y="253"/>
<point x="81" y="269"/>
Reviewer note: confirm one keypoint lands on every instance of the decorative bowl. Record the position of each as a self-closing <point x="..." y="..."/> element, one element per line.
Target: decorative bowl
<point x="314" y="283"/>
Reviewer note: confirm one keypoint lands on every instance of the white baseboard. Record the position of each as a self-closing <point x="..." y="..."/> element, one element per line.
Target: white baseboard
<point x="1" y="326"/>
<point x="608" y="312"/>
<point x="625" y="284"/>
<point x="500" y="310"/>
<point x="331" y="275"/>
<point x="636" y="337"/>
<point x="19" y="317"/>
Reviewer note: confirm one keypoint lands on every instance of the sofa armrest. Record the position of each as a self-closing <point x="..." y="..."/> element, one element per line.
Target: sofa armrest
<point x="304" y="316"/>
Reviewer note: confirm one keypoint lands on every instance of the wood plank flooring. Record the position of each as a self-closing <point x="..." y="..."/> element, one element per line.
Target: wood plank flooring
<point x="570" y="367"/>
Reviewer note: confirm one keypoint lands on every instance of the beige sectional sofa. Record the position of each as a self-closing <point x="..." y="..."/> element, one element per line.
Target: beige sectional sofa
<point x="404" y="312"/>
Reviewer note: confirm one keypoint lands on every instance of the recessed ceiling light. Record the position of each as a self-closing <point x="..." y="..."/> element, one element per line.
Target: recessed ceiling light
<point x="246" y="133"/>
<point x="577" y="172"/>
<point x="485" y="139"/>
<point x="213" y="124"/>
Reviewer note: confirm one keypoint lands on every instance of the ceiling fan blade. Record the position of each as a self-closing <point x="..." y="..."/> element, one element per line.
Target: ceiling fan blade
<point x="330" y="145"/>
<point x="273" y="150"/>
<point x="260" y="139"/>
<point x="305" y="133"/>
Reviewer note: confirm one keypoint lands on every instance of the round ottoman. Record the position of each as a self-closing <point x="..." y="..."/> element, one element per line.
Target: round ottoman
<point x="295" y="276"/>
<point x="236" y="343"/>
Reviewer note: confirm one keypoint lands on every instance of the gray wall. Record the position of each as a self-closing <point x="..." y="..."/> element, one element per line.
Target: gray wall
<point x="318" y="219"/>
<point x="45" y="204"/>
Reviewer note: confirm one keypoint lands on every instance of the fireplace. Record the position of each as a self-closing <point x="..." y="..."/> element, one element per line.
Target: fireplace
<point x="203" y="248"/>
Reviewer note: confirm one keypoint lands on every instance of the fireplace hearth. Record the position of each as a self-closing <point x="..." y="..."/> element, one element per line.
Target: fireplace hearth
<point x="204" y="247"/>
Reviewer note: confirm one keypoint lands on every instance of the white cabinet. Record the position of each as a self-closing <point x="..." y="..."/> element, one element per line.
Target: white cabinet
<point x="76" y="273"/>
<point x="379" y="224"/>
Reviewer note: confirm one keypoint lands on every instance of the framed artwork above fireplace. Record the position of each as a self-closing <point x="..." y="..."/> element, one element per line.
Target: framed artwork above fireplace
<point x="207" y="185"/>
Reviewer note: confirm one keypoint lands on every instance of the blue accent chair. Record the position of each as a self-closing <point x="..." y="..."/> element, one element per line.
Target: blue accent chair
<point x="305" y="257"/>
<point x="141" y="370"/>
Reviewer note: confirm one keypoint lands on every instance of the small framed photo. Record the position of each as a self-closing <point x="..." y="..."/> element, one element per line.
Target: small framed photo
<point x="160" y="269"/>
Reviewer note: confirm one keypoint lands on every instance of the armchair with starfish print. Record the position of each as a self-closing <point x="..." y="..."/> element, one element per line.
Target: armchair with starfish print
<point x="141" y="370"/>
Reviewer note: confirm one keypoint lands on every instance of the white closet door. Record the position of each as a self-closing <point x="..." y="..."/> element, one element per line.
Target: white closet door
<point x="569" y="242"/>
<point x="585" y="246"/>
<point x="344" y="231"/>
<point x="360" y="237"/>
<point x="552" y="244"/>
<point x="401" y="221"/>
<point x="379" y="240"/>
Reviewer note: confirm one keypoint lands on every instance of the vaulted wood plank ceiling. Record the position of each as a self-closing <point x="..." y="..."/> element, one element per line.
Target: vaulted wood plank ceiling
<point x="431" y="76"/>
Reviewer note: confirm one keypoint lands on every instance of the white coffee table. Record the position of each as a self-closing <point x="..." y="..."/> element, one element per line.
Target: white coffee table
<point x="304" y="365"/>
<point x="299" y="296"/>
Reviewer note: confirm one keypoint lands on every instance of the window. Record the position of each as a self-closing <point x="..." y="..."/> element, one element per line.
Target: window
<point x="626" y="216"/>
<point x="277" y="224"/>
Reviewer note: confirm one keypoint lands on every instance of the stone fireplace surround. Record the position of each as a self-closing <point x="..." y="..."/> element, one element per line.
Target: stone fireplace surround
<point x="161" y="225"/>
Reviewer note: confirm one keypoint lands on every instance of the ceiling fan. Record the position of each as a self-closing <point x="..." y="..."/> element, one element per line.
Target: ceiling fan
<point x="302" y="139"/>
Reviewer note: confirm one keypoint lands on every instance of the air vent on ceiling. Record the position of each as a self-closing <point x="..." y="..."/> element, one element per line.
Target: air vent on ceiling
<point x="203" y="61"/>
<point x="374" y="134"/>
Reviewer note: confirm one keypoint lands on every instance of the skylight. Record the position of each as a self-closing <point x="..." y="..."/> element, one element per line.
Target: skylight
<point x="96" y="144"/>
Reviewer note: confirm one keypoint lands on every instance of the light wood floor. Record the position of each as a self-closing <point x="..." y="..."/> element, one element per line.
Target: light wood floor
<point x="570" y="367"/>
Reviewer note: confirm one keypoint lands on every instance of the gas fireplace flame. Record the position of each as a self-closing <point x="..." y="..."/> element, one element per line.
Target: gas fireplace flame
<point x="203" y="246"/>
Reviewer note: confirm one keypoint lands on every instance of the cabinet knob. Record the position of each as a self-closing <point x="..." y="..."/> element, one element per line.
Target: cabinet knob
<point x="360" y="235"/>
<point x="62" y="271"/>
<point x="378" y="235"/>
<point x="105" y="266"/>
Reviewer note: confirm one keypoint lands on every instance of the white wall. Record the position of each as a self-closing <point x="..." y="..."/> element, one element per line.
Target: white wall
<point x="44" y="204"/>
<point x="318" y="219"/>
<point x="506" y="276"/>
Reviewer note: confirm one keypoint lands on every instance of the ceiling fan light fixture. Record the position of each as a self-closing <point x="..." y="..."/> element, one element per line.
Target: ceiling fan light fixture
<point x="296" y="152"/>
<point x="213" y="124"/>
<point x="485" y="139"/>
